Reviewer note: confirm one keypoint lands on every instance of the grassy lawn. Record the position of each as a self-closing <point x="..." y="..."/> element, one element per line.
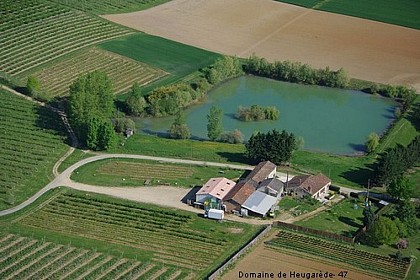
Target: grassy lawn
<point x="143" y="232"/>
<point x="175" y="58"/>
<point x="297" y="206"/>
<point x="76" y="156"/>
<point x="343" y="170"/>
<point x="342" y="218"/>
<point x="399" y="12"/>
<point x="403" y="132"/>
<point x="188" y="149"/>
<point x="131" y="172"/>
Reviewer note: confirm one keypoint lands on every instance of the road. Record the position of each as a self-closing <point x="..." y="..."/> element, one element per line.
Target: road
<point x="164" y="196"/>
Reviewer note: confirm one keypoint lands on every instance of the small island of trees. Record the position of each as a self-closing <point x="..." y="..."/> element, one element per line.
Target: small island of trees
<point x="257" y="113"/>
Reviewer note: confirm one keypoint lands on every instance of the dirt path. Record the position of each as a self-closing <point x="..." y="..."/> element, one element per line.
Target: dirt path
<point x="64" y="119"/>
<point x="367" y="49"/>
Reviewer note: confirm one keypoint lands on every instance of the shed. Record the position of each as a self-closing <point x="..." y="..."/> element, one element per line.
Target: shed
<point x="259" y="203"/>
<point x="271" y="186"/>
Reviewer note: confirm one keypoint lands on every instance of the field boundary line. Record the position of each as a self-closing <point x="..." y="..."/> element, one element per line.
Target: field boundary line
<point x="272" y="34"/>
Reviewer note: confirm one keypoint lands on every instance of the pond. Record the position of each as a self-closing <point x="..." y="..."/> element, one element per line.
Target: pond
<point x="329" y="120"/>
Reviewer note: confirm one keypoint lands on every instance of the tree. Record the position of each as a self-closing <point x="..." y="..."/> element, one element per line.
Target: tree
<point x="406" y="212"/>
<point x="372" y="142"/>
<point x="400" y="188"/>
<point x="33" y="85"/>
<point x="135" y="102"/>
<point x="368" y="217"/>
<point x="383" y="231"/>
<point x="100" y="134"/>
<point x="91" y="105"/>
<point x="273" y="146"/>
<point x="214" y="125"/>
<point x="179" y="128"/>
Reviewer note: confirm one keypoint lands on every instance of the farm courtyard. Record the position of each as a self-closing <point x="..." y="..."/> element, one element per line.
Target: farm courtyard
<point x="368" y="50"/>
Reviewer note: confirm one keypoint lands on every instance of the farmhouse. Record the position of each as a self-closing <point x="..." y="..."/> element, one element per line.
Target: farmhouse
<point x="316" y="186"/>
<point x="237" y="197"/>
<point x="214" y="190"/>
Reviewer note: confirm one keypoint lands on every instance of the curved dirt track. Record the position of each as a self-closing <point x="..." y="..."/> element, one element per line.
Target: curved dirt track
<point x="366" y="49"/>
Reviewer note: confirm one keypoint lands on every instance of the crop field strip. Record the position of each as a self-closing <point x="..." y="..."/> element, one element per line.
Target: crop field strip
<point x="32" y="140"/>
<point x="382" y="265"/>
<point x="400" y="12"/>
<point x="28" y="258"/>
<point x="110" y="6"/>
<point x="43" y="31"/>
<point x="122" y="71"/>
<point x="145" y="170"/>
<point x="164" y="233"/>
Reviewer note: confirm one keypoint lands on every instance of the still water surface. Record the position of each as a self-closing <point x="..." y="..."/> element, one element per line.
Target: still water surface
<point x="329" y="120"/>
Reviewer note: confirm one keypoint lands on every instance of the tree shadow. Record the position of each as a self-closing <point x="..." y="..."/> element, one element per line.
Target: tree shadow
<point x="235" y="157"/>
<point x="359" y="175"/>
<point x="349" y="221"/>
<point x="50" y="121"/>
<point x="358" y="148"/>
<point x="348" y="233"/>
<point x="415" y="122"/>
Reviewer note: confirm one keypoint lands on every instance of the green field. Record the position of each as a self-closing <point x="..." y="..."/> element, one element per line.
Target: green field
<point x="342" y="218"/>
<point x="123" y="72"/>
<point x="178" y="59"/>
<point x="32" y="140"/>
<point x="128" y="172"/>
<point x="399" y="12"/>
<point x="111" y="6"/>
<point x="179" y="241"/>
<point x="188" y="149"/>
<point x="34" y="32"/>
<point x="384" y="267"/>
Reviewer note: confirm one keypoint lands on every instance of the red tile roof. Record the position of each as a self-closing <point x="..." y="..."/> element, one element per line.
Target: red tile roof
<point x="310" y="183"/>
<point x="261" y="171"/>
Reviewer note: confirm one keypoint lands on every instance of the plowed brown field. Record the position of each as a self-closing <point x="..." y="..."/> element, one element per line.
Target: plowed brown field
<point x="366" y="49"/>
<point x="263" y="259"/>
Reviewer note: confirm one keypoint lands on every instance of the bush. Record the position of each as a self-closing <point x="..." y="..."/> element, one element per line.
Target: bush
<point x="232" y="137"/>
<point x="122" y="124"/>
<point x="402" y="244"/>
<point x="257" y="113"/>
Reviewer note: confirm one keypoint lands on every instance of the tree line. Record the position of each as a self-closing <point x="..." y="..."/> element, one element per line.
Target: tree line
<point x="296" y="72"/>
<point x="395" y="161"/>
<point x="168" y="100"/>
